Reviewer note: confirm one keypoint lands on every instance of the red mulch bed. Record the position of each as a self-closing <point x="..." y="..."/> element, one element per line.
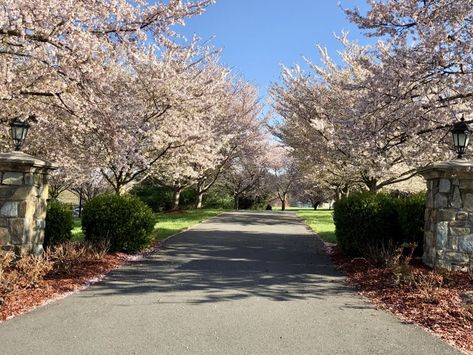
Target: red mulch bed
<point x="56" y="285"/>
<point x="440" y="311"/>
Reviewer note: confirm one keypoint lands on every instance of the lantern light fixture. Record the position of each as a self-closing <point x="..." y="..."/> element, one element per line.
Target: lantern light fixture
<point x="19" y="131"/>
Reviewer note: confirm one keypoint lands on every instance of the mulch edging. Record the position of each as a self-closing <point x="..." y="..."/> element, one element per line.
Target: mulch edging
<point x="57" y="286"/>
<point x="437" y="309"/>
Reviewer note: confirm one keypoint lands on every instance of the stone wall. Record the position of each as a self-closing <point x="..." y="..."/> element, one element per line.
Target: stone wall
<point x="23" y="202"/>
<point x="448" y="227"/>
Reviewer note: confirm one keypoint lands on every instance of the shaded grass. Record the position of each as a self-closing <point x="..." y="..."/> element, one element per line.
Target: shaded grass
<point x="320" y="221"/>
<point x="170" y="223"/>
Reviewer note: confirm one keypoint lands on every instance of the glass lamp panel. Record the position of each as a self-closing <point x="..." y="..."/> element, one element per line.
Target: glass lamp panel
<point x="455" y="139"/>
<point x="18" y="132"/>
<point x="462" y="139"/>
<point x="24" y="131"/>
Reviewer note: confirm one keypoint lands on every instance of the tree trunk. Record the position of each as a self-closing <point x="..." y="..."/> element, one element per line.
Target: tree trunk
<point x="176" y="198"/>
<point x="345" y="192"/>
<point x="80" y="205"/>
<point x="200" y="196"/>
<point x="236" y="202"/>
<point x="372" y="185"/>
<point x="315" y="205"/>
<point x="283" y="202"/>
<point x="338" y="194"/>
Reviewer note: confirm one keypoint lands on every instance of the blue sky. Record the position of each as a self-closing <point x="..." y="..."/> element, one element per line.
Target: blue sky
<point x="257" y="36"/>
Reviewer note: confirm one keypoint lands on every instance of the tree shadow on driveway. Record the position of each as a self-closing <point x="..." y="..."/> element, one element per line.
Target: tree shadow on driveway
<point x="231" y="260"/>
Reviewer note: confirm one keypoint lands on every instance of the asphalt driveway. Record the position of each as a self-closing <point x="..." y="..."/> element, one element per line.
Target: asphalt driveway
<point x="240" y="283"/>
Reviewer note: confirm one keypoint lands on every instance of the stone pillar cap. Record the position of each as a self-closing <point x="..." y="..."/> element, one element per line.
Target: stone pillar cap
<point x="21" y="158"/>
<point x="451" y="166"/>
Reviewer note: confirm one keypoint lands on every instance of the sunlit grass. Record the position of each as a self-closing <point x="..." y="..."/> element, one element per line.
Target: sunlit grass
<point x="170" y="223"/>
<point x="320" y="221"/>
<point x="77" y="233"/>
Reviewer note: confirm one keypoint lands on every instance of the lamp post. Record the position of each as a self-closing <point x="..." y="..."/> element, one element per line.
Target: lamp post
<point x="19" y="130"/>
<point x="461" y="137"/>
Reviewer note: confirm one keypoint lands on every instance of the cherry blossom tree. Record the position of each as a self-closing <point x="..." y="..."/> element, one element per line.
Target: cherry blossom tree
<point x="209" y="136"/>
<point x="425" y="48"/>
<point x="283" y="174"/>
<point x="313" y="192"/>
<point x="100" y="77"/>
<point x="327" y="111"/>
<point x="248" y="171"/>
<point x="426" y="44"/>
<point x="388" y="108"/>
<point x="51" y="50"/>
<point x="240" y="126"/>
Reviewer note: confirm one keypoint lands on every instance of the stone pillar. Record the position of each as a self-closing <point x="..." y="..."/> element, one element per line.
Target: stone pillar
<point x="448" y="230"/>
<point x="23" y="198"/>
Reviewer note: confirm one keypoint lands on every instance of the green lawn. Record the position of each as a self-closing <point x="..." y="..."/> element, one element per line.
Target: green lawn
<point x="170" y="223"/>
<point x="77" y="233"/>
<point x="320" y="221"/>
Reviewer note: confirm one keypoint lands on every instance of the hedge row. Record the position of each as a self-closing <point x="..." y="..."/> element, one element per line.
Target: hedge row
<point x="370" y="225"/>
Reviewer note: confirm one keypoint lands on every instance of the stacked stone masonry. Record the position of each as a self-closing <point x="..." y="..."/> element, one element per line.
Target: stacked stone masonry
<point x="448" y="229"/>
<point x="23" y="202"/>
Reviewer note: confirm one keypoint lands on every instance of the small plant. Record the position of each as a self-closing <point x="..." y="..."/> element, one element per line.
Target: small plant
<point x="69" y="255"/>
<point x="399" y="263"/>
<point x="59" y="223"/>
<point x="96" y="251"/>
<point x="429" y="284"/>
<point x="380" y="253"/>
<point x="29" y="271"/>
<point x="6" y="262"/>
<point x="124" y="221"/>
<point x="66" y="256"/>
<point x="469" y="253"/>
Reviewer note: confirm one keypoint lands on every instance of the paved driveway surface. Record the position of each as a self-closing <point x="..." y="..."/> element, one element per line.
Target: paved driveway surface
<point x="241" y="283"/>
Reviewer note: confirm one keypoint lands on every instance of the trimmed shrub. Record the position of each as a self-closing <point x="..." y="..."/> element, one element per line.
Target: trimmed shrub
<point x="125" y="222"/>
<point x="411" y="211"/>
<point x="373" y="225"/>
<point x="364" y="221"/>
<point x="59" y="223"/>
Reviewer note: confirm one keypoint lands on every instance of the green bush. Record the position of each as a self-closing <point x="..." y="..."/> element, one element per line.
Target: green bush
<point x="253" y="202"/>
<point x="125" y="222"/>
<point x="158" y="198"/>
<point x="217" y="198"/>
<point x="411" y="212"/>
<point x="371" y="225"/>
<point x="59" y="223"/>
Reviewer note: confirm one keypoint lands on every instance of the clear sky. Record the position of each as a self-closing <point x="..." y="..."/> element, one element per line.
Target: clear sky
<point x="257" y="36"/>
